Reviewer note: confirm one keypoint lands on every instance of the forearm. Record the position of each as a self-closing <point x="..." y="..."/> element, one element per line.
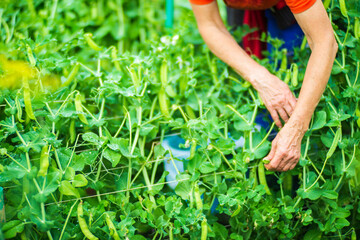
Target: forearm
<point x="324" y="47"/>
<point x="223" y="45"/>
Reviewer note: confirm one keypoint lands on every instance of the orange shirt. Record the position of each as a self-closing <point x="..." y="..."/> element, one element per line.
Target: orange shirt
<point x="296" y="6"/>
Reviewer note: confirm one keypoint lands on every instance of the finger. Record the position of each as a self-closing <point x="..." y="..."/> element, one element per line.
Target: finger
<point x="293" y="101"/>
<point x="274" y="164"/>
<point x="294" y="164"/>
<point x="288" y="166"/>
<point x="283" y="114"/>
<point x="275" y="118"/>
<point x="272" y="150"/>
<point x="289" y="109"/>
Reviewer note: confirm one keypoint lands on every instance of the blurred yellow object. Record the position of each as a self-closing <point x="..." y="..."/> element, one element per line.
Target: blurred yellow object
<point x="51" y="81"/>
<point x="12" y="73"/>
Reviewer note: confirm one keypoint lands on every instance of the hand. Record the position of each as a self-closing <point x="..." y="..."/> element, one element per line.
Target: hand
<point x="277" y="97"/>
<point x="286" y="148"/>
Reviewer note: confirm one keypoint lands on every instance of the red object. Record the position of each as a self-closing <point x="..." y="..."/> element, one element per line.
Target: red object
<point x="251" y="42"/>
<point x="296" y="6"/>
<point x="251" y="4"/>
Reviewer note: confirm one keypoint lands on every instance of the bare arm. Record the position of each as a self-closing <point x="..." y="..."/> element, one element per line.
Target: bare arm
<point x="276" y="95"/>
<point x="285" y="151"/>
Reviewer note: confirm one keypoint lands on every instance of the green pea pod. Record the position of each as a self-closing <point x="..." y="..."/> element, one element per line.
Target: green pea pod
<point x="287" y="76"/>
<point x="79" y="109"/>
<point x="199" y="203"/>
<point x="134" y="78"/>
<point x="114" y="57"/>
<point x="163" y="103"/>
<point x="44" y="161"/>
<point x="112" y="228"/>
<point x="27" y="100"/>
<point x="353" y="235"/>
<point x="283" y="65"/>
<point x="294" y="76"/>
<point x="357" y="28"/>
<point x="30" y="56"/>
<point x="163" y="74"/>
<point x="83" y="225"/>
<point x="204" y="229"/>
<point x="192" y="150"/>
<point x="19" y="109"/>
<point x="171" y="234"/>
<point x="262" y="177"/>
<point x="343" y="8"/>
<point x="91" y="43"/>
<point x="253" y="175"/>
<point x="72" y="131"/>
<point x="334" y="143"/>
<point x="287" y="183"/>
<point x="72" y="75"/>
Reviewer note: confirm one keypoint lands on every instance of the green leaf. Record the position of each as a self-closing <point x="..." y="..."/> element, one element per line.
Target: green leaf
<point x="93" y="138"/>
<point x="220" y="231"/>
<point x="69" y="174"/>
<point x="122" y="145"/>
<point x="320" y="120"/>
<point x="113" y="156"/>
<point x="263" y="150"/>
<point x="52" y="184"/>
<point x="146" y="129"/>
<point x="183" y="188"/>
<point x="67" y="189"/>
<point x="80" y="181"/>
<point x="12" y="228"/>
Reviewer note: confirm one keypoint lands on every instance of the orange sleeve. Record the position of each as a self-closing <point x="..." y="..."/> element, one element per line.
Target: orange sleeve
<point x="298" y="6"/>
<point x="201" y="2"/>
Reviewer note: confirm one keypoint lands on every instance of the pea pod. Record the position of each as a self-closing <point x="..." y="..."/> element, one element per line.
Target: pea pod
<point x="19" y="109"/>
<point x="163" y="103"/>
<point x="83" y="225"/>
<point x="343" y="8"/>
<point x="112" y="228"/>
<point x="353" y="235"/>
<point x="90" y="42"/>
<point x="192" y="150"/>
<point x="294" y="76"/>
<point x="262" y="177"/>
<point x="72" y="131"/>
<point x="357" y="28"/>
<point x="357" y="113"/>
<point x="27" y="100"/>
<point x="114" y="57"/>
<point x="334" y="143"/>
<point x="198" y="201"/>
<point x="72" y="75"/>
<point x="79" y="109"/>
<point x="30" y="56"/>
<point x="204" y="229"/>
<point x="44" y="161"/>
<point x="283" y="65"/>
<point x="287" y="76"/>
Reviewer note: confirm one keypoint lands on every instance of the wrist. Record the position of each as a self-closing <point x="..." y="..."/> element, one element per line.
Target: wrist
<point x="299" y="123"/>
<point x="255" y="76"/>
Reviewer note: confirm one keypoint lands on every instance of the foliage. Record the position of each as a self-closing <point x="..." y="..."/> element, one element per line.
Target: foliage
<point x="102" y="83"/>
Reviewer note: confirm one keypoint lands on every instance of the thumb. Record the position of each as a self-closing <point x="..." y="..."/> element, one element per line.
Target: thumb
<point x="272" y="151"/>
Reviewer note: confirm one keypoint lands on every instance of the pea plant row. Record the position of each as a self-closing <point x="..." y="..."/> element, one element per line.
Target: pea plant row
<point x="89" y="91"/>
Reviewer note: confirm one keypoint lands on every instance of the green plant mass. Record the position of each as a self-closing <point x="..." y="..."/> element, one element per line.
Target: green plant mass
<point x="89" y="90"/>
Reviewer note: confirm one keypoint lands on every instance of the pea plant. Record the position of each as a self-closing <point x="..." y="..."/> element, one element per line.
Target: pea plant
<point x="89" y="91"/>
